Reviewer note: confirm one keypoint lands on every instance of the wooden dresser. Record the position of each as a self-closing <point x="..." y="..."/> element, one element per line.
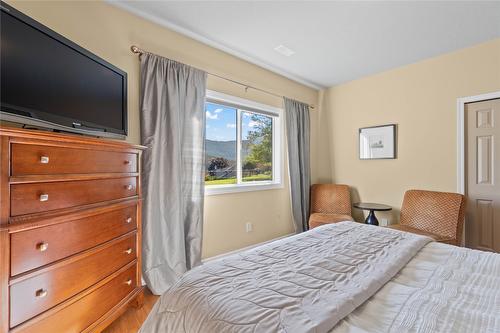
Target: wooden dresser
<point x="70" y="231"/>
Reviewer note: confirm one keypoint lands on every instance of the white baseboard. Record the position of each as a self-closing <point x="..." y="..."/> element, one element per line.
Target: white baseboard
<point x="243" y="249"/>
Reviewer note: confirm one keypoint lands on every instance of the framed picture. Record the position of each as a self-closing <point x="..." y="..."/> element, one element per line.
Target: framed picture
<point x="377" y="142"/>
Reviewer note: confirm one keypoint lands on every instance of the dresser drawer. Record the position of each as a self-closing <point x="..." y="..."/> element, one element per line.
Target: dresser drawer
<point x="41" y="197"/>
<point x="48" y="160"/>
<point x="81" y="314"/>
<point x="37" y="247"/>
<point x="38" y="293"/>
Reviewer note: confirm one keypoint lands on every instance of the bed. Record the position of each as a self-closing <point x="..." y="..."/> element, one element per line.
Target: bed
<point x="341" y="278"/>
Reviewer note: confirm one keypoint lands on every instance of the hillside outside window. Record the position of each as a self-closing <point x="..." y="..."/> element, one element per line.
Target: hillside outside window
<point x="243" y="145"/>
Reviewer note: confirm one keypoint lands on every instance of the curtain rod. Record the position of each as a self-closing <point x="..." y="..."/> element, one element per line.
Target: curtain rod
<point x="137" y="50"/>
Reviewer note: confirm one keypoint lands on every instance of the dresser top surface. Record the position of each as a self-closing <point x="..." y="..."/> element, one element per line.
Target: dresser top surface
<point x="60" y="137"/>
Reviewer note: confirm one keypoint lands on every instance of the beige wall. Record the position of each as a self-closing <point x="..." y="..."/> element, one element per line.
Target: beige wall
<point x="421" y="98"/>
<point x="108" y="32"/>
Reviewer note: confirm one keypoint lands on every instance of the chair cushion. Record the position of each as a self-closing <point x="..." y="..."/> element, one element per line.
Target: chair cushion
<point x="436" y="237"/>
<point x="317" y="219"/>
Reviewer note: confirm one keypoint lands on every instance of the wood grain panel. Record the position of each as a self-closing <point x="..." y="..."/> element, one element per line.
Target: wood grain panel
<point x="4" y="234"/>
<point x="21" y="135"/>
<point x="4" y="280"/>
<point x="45" y="160"/>
<point x="79" y="315"/>
<point x="26" y="198"/>
<point x="4" y="181"/>
<point x="67" y="280"/>
<point x="79" y="235"/>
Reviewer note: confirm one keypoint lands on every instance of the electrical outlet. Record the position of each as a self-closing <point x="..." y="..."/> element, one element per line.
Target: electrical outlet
<point x="248" y="227"/>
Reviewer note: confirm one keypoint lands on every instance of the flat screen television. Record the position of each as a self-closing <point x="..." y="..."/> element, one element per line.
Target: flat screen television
<point x="48" y="81"/>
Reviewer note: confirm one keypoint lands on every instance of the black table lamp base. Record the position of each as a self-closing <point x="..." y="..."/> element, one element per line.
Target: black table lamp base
<point x="371" y="218"/>
<point x="372" y="207"/>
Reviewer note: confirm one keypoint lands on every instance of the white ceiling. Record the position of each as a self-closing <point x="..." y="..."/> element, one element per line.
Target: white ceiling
<point x="334" y="42"/>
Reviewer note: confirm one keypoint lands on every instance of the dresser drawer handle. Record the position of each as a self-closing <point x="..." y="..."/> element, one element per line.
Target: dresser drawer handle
<point x="129" y="187"/>
<point x="44" y="159"/>
<point x="128" y="251"/>
<point x="41" y="293"/>
<point x="128" y="220"/>
<point x="42" y="246"/>
<point x="44" y="197"/>
<point x="128" y="282"/>
<point x="126" y="162"/>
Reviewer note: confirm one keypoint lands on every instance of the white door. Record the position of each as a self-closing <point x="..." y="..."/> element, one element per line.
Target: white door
<point x="483" y="175"/>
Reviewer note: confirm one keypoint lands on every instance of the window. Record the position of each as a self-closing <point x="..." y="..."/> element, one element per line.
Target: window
<point x="243" y="145"/>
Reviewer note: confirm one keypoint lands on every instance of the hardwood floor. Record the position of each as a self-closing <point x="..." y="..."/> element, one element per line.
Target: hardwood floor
<point x="132" y="319"/>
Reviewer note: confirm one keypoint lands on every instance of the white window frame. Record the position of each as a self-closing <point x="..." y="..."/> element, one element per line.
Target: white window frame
<point x="278" y="139"/>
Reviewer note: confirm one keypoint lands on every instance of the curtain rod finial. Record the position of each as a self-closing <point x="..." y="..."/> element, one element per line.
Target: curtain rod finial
<point x="135" y="49"/>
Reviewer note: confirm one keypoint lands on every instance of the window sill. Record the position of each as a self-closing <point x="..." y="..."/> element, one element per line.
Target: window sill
<point x="233" y="188"/>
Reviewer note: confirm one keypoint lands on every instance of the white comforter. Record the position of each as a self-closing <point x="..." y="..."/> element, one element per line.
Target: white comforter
<point x="305" y="283"/>
<point x="443" y="289"/>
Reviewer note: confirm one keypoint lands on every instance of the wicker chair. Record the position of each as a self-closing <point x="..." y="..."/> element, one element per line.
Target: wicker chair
<point x="330" y="203"/>
<point x="439" y="215"/>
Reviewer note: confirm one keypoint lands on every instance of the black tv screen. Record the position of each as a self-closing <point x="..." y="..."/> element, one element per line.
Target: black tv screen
<point x="50" y="81"/>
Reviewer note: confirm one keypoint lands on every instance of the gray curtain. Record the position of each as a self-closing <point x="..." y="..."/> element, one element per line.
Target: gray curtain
<point x="173" y="130"/>
<point x="297" y="132"/>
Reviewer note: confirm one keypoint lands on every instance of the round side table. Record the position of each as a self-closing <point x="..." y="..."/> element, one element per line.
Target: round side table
<point x="372" y="207"/>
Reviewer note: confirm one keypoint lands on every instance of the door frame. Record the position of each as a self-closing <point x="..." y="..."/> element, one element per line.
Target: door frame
<point x="461" y="134"/>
